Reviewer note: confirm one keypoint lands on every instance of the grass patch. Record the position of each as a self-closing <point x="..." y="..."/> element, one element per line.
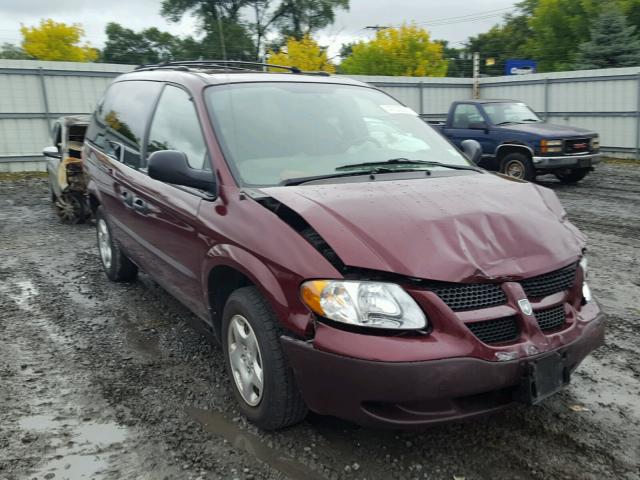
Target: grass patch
<point x="8" y="177"/>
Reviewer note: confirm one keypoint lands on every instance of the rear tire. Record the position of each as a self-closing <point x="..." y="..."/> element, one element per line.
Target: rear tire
<point x="518" y="165"/>
<point x="261" y="378"/>
<point x="574" y="175"/>
<point x="116" y="264"/>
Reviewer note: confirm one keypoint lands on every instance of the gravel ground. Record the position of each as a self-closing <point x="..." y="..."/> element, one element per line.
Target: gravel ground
<point x="107" y="381"/>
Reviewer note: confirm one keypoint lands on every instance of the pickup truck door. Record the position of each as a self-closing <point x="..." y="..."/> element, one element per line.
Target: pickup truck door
<point x="468" y="123"/>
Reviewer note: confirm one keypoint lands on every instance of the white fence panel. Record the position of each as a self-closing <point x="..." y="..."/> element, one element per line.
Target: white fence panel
<point x="33" y="93"/>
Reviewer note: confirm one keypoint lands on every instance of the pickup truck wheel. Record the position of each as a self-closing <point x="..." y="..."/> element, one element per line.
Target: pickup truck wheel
<point x="262" y="381"/>
<point x="116" y="264"/>
<point x="518" y="165"/>
<point x="572" y="176"/>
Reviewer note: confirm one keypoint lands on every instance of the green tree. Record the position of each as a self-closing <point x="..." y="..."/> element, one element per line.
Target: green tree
<point x="57" y="41"/>
<point x="502" y="42"/>
<point x="246" y="23"/>
<point x="13" y="52"/>
<point x="123" y="45"/>
<point x="407" y="50"/>
<point x="613" y="43"/>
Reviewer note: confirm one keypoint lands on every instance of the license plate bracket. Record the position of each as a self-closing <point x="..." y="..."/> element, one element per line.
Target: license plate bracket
<point x="543" y="377"/>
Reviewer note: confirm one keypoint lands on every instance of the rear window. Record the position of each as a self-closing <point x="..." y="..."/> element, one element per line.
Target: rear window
<point x="120" y="120"/>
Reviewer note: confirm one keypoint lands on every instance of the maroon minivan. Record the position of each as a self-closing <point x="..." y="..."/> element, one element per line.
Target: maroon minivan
<point x="348" y="258"/>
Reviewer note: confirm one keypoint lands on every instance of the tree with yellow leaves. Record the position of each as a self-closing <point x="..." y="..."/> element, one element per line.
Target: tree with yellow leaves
<point x="57" y="41"/>
<point x="304" y="54"/>
<point x="407" y="50"/>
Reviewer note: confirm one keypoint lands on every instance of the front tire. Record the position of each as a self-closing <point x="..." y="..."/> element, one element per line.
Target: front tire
<point x="572" y="176"/>
<point x="262" y="381"/>
<point x="116" y="264"/>
<point x="518" y="165"/>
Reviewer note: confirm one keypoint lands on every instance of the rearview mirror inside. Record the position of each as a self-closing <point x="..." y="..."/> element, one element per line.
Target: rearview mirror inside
<point x="171" y="166"/>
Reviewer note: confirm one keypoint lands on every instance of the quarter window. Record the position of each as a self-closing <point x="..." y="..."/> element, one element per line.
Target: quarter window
<point x="175" y="126"/>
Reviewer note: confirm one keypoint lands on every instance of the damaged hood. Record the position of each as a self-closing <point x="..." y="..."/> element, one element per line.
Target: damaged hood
<point x="453" y="228"/>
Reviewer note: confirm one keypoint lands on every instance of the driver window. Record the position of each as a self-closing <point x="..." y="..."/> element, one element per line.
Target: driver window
<point x="176" y="127"/>
<point x="465" y="115"/>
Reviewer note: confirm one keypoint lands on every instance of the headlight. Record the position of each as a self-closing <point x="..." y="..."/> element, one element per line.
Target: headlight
<point x="365" y="304"/>
<point x="586" y="291"/>
<point x="551" y="146"/>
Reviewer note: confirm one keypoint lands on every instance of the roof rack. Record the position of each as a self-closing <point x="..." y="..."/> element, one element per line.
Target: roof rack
<point x="226" y="65"/>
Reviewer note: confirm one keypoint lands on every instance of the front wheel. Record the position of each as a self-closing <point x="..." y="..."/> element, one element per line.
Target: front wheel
<point x="572" y="176"/>
<point x="518" y="165"/>
<point x="262" y="381"/>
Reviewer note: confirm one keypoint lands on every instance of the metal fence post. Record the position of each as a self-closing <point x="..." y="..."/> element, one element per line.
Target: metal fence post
<point x="546" y="98"/>
<point x="421" y="95"/>
<point x="45" y="99"/>
<point x="638" y="120"/>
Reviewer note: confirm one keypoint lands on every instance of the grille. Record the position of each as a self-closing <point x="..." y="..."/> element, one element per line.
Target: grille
<point x="499" y="330"/>
<point x="551" y="318"/>
<point x="472" y="296"/>
<point x="550" y="283"/>
<point x="578" y="145"/>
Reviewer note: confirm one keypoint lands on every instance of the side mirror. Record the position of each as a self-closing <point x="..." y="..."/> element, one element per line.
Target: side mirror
<point x="171" y="166"/>
<point x="472" y="150"/>
<point x="478" y="126"/>
<point x="51" y="152"/>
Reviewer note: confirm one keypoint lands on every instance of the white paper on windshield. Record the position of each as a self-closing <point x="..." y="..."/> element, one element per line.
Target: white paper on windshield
<point x="398" y="109"/>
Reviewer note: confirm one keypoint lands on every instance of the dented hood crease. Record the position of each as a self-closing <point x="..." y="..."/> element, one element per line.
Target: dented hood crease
<point x="456" y="229"/>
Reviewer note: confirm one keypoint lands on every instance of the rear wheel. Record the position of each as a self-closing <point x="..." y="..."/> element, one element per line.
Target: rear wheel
<point x="572" y="176"/>
<point x="70" y="208"/>
<point x="116" y="264"/>
<point x="518" y="165"/>
<point x="262" y="381"/>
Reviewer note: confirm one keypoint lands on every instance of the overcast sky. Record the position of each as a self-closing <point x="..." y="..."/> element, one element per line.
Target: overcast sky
<point x="452" y="20"/>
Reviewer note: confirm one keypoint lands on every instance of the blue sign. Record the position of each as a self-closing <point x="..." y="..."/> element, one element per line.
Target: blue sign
<point x="520" y="67"/>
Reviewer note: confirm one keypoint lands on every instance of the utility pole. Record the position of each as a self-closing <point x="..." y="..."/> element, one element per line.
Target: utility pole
<point x="476" y="75"/>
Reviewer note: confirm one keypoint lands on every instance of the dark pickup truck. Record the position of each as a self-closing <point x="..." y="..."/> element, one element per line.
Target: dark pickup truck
<point x="516" y="142"/>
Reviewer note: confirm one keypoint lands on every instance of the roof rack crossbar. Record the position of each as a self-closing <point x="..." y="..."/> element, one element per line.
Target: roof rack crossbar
<point x="222" y="64"/>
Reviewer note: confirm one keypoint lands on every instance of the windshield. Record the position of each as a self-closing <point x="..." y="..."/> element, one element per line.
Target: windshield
<point x="510" y="112"/>
<point x="272" y="132"/>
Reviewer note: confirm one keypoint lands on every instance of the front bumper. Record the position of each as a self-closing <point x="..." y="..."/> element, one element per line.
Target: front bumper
<point x="414" y="394"/>
<point x="567" y="161"/>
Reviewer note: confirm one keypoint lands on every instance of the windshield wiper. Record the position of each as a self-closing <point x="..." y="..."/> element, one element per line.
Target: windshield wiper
<point x="300" y="180"/>
<point x="530" y="120"/>
<point x="504" y="123"/>
<point x="406" y="162"/>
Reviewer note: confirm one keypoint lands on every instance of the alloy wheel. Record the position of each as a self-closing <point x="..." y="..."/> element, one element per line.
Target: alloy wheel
<point x="245" y="359"/>
<point x="104" y="243"/>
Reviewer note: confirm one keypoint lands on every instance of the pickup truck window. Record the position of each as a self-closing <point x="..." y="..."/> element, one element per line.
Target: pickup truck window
<point x="510" y="112"/>
<point x="271" y="132"/>
<point x="466" y="115"/>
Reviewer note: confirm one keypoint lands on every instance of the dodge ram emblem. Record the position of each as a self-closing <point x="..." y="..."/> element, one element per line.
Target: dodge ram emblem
<point x="525" y="306"/>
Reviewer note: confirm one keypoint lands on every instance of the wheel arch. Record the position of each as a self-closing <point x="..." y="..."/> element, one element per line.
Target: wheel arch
<point x="230" y="267"/>
<point x="507" y="148"/>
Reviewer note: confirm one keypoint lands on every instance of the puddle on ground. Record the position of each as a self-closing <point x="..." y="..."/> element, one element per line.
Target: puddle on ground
<point x="83" y="453"/>
<point x="219" y="425"/>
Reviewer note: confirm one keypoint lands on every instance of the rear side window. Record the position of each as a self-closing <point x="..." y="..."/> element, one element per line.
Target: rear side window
<point x="121" y="119"/>
<point x="175" y="126"/>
